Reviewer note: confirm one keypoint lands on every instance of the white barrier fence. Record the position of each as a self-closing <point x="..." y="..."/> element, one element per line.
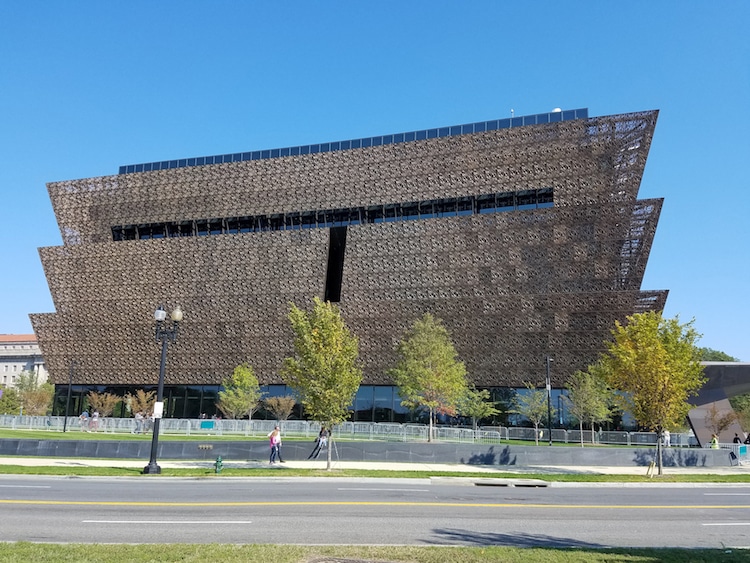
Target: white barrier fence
<point x="381" y="431"/>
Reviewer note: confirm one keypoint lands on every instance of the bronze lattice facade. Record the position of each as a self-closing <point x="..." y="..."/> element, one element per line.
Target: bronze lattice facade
<point x="526" y="237"/>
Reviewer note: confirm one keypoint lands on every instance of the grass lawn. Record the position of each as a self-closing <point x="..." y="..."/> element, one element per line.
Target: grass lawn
<point x="187" y="553"/>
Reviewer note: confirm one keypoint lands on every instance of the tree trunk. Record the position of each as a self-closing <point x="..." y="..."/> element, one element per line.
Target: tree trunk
<point x="536" y="434"/>
<point x="658" y="451"/>
<point x="429" y="428"/>
<point x="580" y="426"/>
<point x="329" y="447"/>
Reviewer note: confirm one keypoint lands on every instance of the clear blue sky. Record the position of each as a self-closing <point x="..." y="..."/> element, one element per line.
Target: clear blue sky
<point x="87" y="86"/>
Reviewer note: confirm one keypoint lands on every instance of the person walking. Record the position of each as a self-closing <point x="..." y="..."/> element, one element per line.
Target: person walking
<point x="714" y="442"/>
<point x="274" y="439"/>
<point x="84" y="420"/>
<point x="321" y="441"/>
<point x="736" y="439"/>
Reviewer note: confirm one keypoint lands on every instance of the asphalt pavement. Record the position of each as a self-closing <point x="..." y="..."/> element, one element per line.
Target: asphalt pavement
<point x="743" y="469"/>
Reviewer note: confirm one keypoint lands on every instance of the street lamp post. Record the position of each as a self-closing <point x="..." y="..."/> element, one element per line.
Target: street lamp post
<point x="548" y="360"/>
<point x="67" y="401"/>
<point x="165" y="335"/>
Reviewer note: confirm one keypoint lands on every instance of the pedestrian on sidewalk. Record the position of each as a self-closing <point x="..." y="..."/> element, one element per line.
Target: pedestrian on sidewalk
<point x="274" y="439"/>
<point x="321" y="441"/>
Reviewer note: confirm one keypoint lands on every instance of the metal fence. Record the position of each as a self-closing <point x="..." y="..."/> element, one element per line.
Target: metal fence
<point x="381" y="431"/>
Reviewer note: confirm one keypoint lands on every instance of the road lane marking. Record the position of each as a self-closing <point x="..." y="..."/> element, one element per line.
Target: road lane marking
<point x="378" y="489"/>
<point x="371" y="503"/>
<point x="726" y="523"/>
<point x="199" y="522"/>
<point x="25" y="486"/>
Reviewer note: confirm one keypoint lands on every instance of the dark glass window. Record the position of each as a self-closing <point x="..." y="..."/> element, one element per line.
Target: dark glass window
<point x="215" y="227"/>
<point x="526" y="199"/>
<point x="505" y="202"/>
<point x="455" y="130"/>
<point x="486" y="203"/>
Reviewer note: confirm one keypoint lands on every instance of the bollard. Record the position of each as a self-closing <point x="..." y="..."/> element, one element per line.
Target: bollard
<point x="218" y="464"/>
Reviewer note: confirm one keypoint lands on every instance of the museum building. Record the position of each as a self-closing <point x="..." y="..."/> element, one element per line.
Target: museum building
<point x="524" y="235"/>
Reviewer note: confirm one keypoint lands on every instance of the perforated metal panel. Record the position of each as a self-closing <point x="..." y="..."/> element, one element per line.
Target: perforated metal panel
<point x="512" y="287"/>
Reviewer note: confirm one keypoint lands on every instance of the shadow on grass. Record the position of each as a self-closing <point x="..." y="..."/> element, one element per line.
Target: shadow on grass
<point x="457" y="536"/>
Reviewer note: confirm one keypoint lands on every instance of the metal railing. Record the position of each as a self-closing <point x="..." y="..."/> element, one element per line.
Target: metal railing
<point x="374" y="431"/>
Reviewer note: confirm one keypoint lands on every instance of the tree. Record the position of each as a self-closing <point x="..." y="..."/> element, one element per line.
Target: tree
<point x="241" y="393"/>
<point x="105" y="403"/>
<point x="280" y="407"/>
<point x="35" y="397"/>
<point x="325" y="370"/>
<point x="710" y="355"/>
<point x="718" y="421"/>
<point x="506" y="401"/>
<point x="655" y="363"/>
<point x="142" y="401"/>
<point x="533" y="405"/>
<point x="477" y="405"/>
<point x="428" y="373"/>
<point x="10" y="402"/>
<point x="589" y="398"/>
<point x="741" y="406"/>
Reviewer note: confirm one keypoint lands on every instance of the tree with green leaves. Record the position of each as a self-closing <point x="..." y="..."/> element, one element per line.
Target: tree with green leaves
<point x="476" y="404"/>
<point x="711" y="355"/>
<point x="589" y="398"/>
<point x="428" y="373"/>
<point x="36" y="397"/>
<point x="655" y="364"/>
<point x="241" y="393"/>
<point x="325" y="370"/>
<point x="10" y="402"/>
<point x="533" y="405"/>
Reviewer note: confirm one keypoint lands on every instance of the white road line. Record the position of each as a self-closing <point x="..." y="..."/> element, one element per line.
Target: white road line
<point x="726" y="523"/>
<point x="379" y="489"/>
<point x="201" y="522"/>
<point x="26" y="486"/>
<point x="726" y="494"/>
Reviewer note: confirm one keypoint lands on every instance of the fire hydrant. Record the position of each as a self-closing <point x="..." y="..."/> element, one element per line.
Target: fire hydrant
<point x="218" y="464"/>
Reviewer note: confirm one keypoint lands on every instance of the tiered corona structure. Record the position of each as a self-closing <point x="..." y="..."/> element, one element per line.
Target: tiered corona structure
<point x="525" y="236"/>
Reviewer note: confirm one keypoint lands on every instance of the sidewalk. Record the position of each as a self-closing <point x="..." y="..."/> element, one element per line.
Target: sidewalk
<point x="373" y="465"/>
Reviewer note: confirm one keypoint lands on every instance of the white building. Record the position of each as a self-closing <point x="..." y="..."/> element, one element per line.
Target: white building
<point x="18" y="353"/>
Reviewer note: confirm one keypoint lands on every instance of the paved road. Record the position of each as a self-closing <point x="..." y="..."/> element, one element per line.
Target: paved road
<point x="370" y="511"/>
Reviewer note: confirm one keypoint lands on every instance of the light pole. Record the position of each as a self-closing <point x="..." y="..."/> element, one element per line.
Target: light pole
<point x="70" y="388"/>
<point x="165" y="335"/>
<point x="548" y="360"/>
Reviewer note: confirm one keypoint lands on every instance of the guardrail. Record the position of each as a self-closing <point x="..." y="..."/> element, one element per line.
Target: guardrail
<point x="375" y="431"/>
